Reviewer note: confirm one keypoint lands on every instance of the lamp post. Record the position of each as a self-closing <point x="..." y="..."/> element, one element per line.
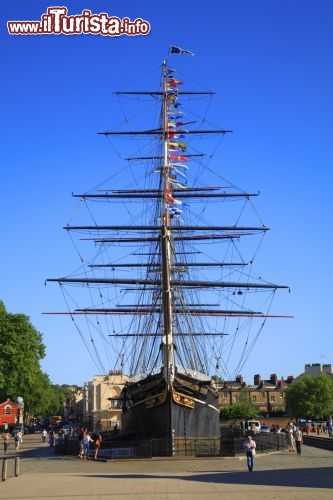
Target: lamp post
<point x="20" y="409"/>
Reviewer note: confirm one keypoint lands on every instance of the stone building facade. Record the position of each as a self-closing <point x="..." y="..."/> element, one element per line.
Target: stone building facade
<point x="96" y="404"/>
<point x="317" y="369"/>
<point x="267" y="396"/>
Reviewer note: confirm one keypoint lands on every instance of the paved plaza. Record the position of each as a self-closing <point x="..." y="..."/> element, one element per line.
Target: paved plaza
<point x="285" y="475"/>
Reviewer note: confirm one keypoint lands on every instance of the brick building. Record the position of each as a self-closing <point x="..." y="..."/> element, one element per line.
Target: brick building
<point x="9" y="413"/>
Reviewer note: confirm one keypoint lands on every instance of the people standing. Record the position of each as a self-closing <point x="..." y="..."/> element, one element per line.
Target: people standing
<point x="44" y="434"/>
<point x="97" y="444"/>
<point x="81" y="435"/>
<point x="291" y="431"/>
<point x="86" y="445"/>
<point x="329" y="426"/>
<point x="298" y="435"/>
<point x="6" y="437"/>
<point x="51" y="437"/>
<point x="17" y="441"/>
<point x="249" y="446"/>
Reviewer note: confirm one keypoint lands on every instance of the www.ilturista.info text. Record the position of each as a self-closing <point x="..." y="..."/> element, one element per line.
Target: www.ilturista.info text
<point x="57" y="22"/>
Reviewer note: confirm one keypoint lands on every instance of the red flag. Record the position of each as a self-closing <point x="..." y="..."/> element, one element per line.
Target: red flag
<point x="169" y="197"/>
<point x="177" y="157"/>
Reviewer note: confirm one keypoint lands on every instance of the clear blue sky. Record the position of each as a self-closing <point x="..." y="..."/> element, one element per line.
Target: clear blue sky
<point x="270" y="63"/>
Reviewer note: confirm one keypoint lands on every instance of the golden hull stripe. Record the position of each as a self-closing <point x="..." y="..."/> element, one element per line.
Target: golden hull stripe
<point x="193" y="401"/>
<point x="177" y="397"/>
<point x="183" y="400"/>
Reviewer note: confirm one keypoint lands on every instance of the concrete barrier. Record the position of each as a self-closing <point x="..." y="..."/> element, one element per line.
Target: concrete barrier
<point x="15" y="460"/>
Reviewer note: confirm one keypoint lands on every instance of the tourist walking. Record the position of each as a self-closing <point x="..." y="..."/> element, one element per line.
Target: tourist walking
<point x="81" y="435"/>
<point x="51" y="437"/>
<point x="44" y="434"/>
<point x="17" y="441"/>
<point x="250" y="450"/>
<point x="86" y="445"/>
<point x="97" y="444"/>
<point x="6" y="437"/>
<point x="298" y="435"/>
<point x="291" y="438"/>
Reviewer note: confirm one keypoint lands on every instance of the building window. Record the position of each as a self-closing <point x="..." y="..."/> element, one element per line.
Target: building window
<point x="7" y="410"/>
<point x="115" y="404"/>
<point x="254" y="399"/>
<point x="235" y="399"/>
<point x="272" y="399"/>
<point x="281" y="395"/>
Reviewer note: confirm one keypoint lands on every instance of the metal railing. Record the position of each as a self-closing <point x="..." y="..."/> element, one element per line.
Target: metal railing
<point x="147" y="448"/>
<point x="187" y="447"/>
<point x="266" y="443"/>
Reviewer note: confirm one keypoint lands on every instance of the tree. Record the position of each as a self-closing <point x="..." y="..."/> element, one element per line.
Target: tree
<point x="241" y="410"/>
<point x="310" y="397"/>
<point x="40" y="399"/>
<point x="62" y="395"/>
<point x="21" y="349"/>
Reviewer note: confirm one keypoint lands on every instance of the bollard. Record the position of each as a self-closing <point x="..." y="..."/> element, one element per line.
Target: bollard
<point x="4" y="469"/>
<point x="17" y="465"/>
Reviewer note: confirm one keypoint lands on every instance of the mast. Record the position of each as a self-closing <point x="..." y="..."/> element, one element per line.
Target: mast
<point x="161" y="291"/>
<point x="167" y="341"/>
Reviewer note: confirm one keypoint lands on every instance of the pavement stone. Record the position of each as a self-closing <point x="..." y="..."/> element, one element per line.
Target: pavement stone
<point x="283" y="475"/>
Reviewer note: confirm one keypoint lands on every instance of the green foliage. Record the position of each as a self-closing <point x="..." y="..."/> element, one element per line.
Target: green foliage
<point x="241" y="410"/>
<point x="21" y="349"/>
<point x="310" y="397"/>
<point x="61" y="394"/>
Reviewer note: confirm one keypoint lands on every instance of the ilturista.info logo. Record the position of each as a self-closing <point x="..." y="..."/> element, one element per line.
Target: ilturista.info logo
<point x="57" y="22"/>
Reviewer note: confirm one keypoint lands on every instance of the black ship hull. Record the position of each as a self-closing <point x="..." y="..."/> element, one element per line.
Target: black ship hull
<point x="186" y="411"/>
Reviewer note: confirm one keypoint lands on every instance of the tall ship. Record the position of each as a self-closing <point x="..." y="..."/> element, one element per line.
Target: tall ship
<point x="169" y="293"/>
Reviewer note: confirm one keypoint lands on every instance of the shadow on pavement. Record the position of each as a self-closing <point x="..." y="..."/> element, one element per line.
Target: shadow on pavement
<point x="298" y="478"/>
<point x="41" y="452"/>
